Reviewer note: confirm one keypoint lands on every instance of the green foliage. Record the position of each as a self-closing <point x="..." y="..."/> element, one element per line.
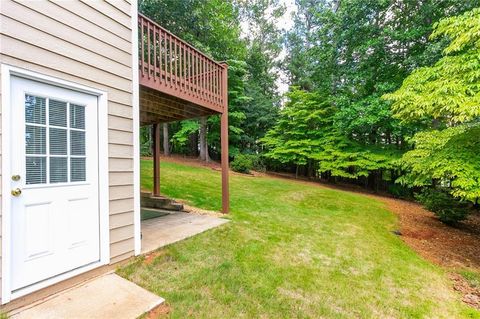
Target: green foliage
<point x="448" y="209"/>
<point x="187" y="128"/>
<point x="305" y="132"/>
<point x="145" y="141"/>
<point x="301" y="124"/>
<point x="400" y="191"/>
<point x="341" y="157"/>
<point x="450" y="90"/>
<point x="449" y="93"/>
<point x="352" y="53"/>
<point x="449" y="157"/>
<point x="242" y="164"/>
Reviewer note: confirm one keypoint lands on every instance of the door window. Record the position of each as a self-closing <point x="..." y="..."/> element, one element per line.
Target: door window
<point x="54" y="141"/>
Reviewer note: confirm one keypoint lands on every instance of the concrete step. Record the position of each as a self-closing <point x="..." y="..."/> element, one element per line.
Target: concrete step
<point x="159" y="202"/>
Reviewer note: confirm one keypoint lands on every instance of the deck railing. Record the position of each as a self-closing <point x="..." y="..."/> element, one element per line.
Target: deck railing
<point x="171" y="65"/>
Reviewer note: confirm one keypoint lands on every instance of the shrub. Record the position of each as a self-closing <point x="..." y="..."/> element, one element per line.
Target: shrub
<point x="242" y="163"/>
<point x="400" y="191"/>
<point x="448" y="209"/>
<point x="258" y="163"/>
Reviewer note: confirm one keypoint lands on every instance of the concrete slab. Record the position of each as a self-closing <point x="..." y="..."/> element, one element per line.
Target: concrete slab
<point x="165" y="230"/>
<point x="107" y="296"/>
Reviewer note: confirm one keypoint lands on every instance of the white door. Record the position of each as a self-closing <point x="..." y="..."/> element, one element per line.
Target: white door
<point x="54" y="182"/>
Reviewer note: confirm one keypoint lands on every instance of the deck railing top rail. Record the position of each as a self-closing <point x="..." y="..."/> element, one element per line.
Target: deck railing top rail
<point x="172" y="66"/>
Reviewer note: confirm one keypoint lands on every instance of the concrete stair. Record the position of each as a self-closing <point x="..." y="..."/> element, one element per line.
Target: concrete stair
<point x="159" y="202"/>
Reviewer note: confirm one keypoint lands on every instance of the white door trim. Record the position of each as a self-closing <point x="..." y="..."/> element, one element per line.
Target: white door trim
<point x="7" y="72"/>
<point x="136" y="132"/>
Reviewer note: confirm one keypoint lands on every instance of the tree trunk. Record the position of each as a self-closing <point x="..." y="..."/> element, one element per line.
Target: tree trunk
<point x="193" y="141"/>
<point x="166" y="140"/>
<point x="203" y="140"/>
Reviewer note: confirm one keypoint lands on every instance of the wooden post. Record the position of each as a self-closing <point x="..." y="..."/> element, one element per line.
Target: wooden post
<point x="224" y="142"/>
<point x="156" y="160"/>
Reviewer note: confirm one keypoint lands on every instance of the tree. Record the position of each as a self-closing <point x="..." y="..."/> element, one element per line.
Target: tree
<point x="447" y="94"/>
<point x="301" y="125"/>
<point x="449" y="90"/>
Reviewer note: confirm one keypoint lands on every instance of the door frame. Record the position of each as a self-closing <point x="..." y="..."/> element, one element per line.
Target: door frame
<point x="7" y="71"/>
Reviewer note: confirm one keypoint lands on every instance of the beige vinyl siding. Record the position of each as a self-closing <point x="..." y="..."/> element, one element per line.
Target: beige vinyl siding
<point x="86" y="42"/>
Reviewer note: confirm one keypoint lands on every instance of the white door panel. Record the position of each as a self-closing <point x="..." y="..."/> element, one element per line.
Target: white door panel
<point x="54" y="147"/>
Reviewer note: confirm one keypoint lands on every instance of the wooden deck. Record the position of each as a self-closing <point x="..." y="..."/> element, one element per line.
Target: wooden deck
<point x="179" y="82"/>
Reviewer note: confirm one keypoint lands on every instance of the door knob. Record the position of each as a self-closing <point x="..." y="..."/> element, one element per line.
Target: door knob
<point x="15" y="178"/>
<point x="16" y="192"/>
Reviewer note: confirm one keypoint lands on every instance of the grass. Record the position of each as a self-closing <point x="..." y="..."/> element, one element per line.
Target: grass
<point x="473" y="278"/>
<point x="291" y="250"/>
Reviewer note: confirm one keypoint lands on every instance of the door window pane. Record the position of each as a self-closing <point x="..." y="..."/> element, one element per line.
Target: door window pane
<point x="35" y="109"/>
<point x="77" y="116"/>
<point x="58" y="169"/>
<point x="57" y="113"/>
<point x="77" y="170"/>
<point x="77" y="143"/>
<point x="36" y="170"/>
<point x="58" y="141"/>
<point x="35" y="140"/>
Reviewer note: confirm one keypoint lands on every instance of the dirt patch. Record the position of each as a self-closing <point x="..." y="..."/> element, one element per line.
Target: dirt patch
<point x="158" y="312"/>
<point x="150" y="257"/>
<point x="471" y="295"/>
<point x="199" y="211"/>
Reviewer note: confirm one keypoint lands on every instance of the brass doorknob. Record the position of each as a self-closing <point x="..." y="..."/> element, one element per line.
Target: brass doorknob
<point x="16" y="192"/>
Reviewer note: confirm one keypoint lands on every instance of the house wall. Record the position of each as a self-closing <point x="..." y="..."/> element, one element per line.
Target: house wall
<point x="86" y="42"/>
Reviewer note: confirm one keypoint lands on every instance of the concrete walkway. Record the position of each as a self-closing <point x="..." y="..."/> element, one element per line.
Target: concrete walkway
<point x="165" y="230"/>
<point x="107" y="296"/>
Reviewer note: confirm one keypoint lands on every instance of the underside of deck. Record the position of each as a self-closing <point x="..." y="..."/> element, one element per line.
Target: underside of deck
<point x="158" y="107"/>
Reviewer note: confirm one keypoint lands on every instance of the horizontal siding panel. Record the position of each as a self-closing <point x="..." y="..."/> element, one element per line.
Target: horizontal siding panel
<point x="67" y="17"/>
<point x="114" y="95"/>
<point x="101" y="20"/>
<point x="22" y="32"/>
<point x="120" y="137"/>
<point x="111" y="12"/>
<point x="29" y="52"/>
<point x="121" y="220"/>
<point x="121" y="257"/>
<point x="122" y="5"/>
<point x="121" y="233"/>
<point x="120" y="206"/>
<point x="120" y="123"/>
<point x="121" y="248"/>
<point x="122" y="178"/>
<point x="64" y="31"/>
<point x="120" y="165"/>
<point x="120" y="151"/>
<point x="119" y="192"/>
<point x="120" y="110"/>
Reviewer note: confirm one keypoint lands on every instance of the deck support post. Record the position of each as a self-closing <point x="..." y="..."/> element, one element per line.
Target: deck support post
<point x="224" y="142"/>
<point x="156" y="159"/>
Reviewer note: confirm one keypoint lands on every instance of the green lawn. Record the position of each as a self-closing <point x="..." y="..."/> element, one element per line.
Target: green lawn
<point x="291" y="250"/>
